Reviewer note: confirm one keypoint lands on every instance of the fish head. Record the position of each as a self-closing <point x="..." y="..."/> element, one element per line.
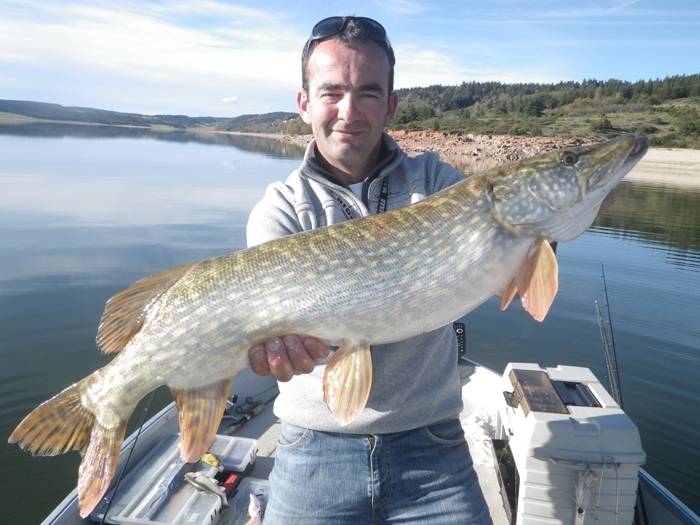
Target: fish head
<point x="557" y="195"/>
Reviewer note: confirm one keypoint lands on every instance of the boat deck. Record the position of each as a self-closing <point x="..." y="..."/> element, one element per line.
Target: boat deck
<point x="265" y="428"/>
<point x="482" y="395"/>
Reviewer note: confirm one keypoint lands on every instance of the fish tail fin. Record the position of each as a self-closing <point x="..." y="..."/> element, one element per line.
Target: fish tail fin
<point x="62" y="424"/>
<point x="57" y="426"/>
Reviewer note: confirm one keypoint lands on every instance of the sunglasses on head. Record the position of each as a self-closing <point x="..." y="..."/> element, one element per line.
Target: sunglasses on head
<point x="336" y="24"/>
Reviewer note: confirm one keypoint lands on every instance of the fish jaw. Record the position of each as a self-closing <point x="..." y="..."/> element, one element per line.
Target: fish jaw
<point x="557" y="195"/>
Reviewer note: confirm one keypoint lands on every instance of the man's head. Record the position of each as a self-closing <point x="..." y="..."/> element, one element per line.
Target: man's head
<point x="350" y="30"/>
<point x="347" y="93"/>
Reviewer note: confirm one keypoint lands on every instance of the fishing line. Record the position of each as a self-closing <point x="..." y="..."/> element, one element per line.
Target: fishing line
<point x="126" y="463"/>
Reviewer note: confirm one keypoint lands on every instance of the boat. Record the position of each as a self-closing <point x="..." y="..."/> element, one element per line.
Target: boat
<point x="549" y="445"/>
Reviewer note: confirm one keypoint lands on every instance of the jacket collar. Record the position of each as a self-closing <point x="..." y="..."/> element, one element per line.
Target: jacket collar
<point x="391" y="156"/>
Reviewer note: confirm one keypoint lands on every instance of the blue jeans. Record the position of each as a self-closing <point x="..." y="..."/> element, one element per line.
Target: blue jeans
<point x="418" y="476"/>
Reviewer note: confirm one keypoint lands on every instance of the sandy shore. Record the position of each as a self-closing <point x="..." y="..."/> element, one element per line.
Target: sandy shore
<point x="473" y="153"/>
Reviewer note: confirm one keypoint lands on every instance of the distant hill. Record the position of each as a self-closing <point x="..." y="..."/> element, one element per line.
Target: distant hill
<point x="668" y="110"/>
<point x="268" y="122"/>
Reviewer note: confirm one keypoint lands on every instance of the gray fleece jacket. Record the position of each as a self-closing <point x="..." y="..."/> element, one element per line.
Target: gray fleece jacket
<point x="415" y="382"/>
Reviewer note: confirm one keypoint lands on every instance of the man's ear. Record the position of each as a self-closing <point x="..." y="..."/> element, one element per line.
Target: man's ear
<point x="392" y="104"/>
<point x="303" y="105"/>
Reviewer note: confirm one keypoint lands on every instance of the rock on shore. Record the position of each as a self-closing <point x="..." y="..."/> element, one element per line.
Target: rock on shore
<point x="468" y="153"/>
<point x="473" y="153"/>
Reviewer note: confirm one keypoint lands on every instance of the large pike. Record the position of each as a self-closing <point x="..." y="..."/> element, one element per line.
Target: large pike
<point x="374" y="280"/>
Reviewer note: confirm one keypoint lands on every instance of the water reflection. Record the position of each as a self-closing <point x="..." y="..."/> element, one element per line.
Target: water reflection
<point x="93" y="213"/>
<point x="664" y="217"/>
<point x="132" y="181"/>
<point x="255" y="144"/>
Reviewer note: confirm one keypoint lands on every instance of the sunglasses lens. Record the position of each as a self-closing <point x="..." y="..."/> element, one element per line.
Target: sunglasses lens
<point x="336" y="24"/>
<point x="373" y="26"/>
<point x="328" y="27"/>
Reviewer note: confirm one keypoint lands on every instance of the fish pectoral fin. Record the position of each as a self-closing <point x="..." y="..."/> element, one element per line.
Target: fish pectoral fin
<point x="347" y="381"/>
<point x="199" y="412"/>
<point x="125" y="311"/>
<point x="508" y="294"/>
<point x="538" y="281"/>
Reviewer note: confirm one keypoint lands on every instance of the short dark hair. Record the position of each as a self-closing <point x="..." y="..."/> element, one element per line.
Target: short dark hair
<point x="354" y="32"/>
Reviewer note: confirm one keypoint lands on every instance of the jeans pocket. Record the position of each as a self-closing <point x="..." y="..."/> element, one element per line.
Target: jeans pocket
<point x="292" y="435"/>
<point x="448" y="432"/>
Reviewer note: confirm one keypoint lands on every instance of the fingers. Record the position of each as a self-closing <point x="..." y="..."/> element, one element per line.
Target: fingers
<point x="288" y="356"/>
<point x="300" y="359"/>
<point x="315" y="348"/>
<point x="258" y="360"/>
<point x="278" y="359"/>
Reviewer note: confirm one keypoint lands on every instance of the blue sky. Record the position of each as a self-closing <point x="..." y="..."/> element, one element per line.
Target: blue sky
<point x="225" y="58"/>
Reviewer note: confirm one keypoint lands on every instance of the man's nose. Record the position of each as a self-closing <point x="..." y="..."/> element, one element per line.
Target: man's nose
<point x="348" y="109"/>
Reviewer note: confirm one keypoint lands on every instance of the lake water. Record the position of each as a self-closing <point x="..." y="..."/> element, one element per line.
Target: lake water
<point x="85" y="210"/>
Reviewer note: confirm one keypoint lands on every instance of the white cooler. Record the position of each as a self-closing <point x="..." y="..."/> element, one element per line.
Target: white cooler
<point x="566" y="452"/>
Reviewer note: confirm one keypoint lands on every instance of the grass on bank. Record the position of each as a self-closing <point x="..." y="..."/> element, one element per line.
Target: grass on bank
<point x="669" y="124"/>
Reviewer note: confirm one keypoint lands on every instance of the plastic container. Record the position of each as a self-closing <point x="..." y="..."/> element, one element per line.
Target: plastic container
<point x="154" y="492"/>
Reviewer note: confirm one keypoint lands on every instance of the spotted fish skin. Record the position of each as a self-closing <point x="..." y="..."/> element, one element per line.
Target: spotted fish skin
<point x="374" y="280"/>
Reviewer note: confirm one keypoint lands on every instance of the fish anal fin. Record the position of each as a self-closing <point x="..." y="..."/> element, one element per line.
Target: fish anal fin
<point x="538" y="281"/>
<point x="125" y="311"/>
<point x="100" y="459"/>
<point x="508" y="294"/>
<point x="347" y="381"/>
<point x="199" y="413"/>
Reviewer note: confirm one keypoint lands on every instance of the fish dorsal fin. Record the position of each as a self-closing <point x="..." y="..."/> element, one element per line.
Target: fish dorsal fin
<point x="125" y="311"/>
<point x="538" y="281"/>
<point x="199" y="412"/>
<point x="347" y="380"/>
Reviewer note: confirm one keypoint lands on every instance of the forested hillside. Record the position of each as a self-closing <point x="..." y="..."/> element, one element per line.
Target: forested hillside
<point x="668" y="109"/>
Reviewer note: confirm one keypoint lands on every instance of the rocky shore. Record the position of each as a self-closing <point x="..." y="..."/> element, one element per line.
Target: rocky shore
<point x="473" y="153"/>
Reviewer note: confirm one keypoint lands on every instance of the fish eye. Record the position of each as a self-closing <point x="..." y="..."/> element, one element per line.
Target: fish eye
<point x="568" y="158"/>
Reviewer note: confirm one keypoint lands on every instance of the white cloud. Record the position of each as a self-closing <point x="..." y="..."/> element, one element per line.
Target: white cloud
<point x="404" y="7"/>
<point x="424" y="67"/>
<point x="230" y="99"/>
<point x="148" y="46"/>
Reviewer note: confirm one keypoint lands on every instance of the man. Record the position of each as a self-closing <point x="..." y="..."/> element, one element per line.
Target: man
<point x="404" y="458"/>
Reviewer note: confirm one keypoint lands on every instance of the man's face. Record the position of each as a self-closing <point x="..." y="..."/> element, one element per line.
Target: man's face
<point x="348" y="104"/>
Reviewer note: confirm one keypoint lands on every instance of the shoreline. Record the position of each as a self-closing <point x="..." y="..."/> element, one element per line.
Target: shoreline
<point x="470" y="153"/>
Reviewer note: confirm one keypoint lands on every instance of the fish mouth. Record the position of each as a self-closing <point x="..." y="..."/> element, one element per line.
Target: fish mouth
<point x="615" y="159"/>
<point x="639" y="149"/>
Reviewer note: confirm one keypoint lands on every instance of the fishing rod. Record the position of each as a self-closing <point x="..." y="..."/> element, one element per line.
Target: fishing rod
<point x="607" y="338"/>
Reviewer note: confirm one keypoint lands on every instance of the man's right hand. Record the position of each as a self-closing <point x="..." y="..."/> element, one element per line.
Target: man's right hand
<point x="285" y="357"/>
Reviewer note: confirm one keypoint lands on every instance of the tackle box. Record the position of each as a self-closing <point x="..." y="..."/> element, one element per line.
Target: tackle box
<point x="155" y="492"/>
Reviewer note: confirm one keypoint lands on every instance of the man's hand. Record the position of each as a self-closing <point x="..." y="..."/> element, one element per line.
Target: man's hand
<point x="285" y="357"/>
